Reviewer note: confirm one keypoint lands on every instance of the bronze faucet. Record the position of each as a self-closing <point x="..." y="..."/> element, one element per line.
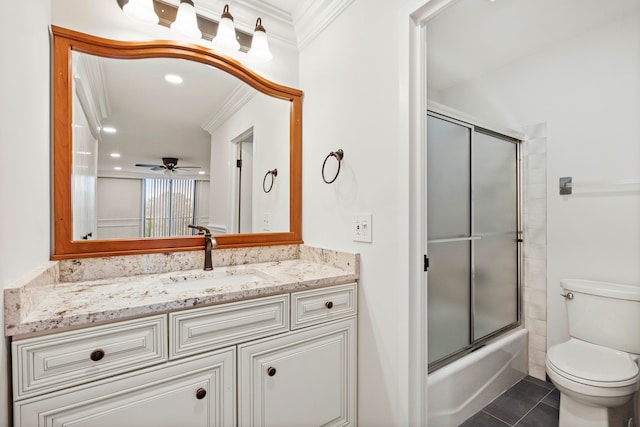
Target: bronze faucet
<point x="209" y="243"/>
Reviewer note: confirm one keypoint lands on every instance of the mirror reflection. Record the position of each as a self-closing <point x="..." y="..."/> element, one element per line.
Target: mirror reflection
<point x="161" y="143"/>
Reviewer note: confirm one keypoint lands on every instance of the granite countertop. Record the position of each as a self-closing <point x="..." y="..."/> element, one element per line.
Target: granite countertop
<point x="63" y="295"/>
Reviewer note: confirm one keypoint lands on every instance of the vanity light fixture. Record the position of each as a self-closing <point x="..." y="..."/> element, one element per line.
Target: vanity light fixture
<point x="141" y="10"/>
<point x="225" y="38"/>
<point x="259" y="44"/>
<point x="173" y="78"/>
<point x="186" y="23"/>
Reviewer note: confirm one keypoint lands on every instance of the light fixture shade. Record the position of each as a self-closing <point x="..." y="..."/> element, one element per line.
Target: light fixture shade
<point x="260" y="44"/>
<point x="141" y="10"/>
<point x="186" y="23"/>
<point x="225" y="38"/>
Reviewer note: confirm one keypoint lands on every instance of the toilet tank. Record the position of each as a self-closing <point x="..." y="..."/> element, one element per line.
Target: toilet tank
<point x="604" y="313"/>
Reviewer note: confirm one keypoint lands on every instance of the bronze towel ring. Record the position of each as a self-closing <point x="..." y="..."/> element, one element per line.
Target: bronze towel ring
<point x="339" y="154"/>
<point x="273" y="174"/>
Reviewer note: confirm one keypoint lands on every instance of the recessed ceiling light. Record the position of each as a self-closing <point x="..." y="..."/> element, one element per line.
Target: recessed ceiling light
<point x="109" y="129"/>
<point x="172" y="78"/>
<point x="86" y="153"/>
<point x="115" y="155"/>
<point x="201" y="172"/>
<point x="117" y="168"/>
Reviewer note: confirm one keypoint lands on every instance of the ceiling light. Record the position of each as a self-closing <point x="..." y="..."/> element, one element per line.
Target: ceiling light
<point x="141" y="10"/>
<point x="173" y="78"/>
<point x="186" y="23"/>
<point x="115" y="155"/>
<point x="201" y="172"/>
<point x="225" y="38"/>
<point x="117" y="168"/>
<point x="259" y="44"/>
<point x="109" y="129"/>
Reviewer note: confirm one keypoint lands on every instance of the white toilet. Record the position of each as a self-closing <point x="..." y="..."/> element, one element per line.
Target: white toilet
<point x="597" y="371"/>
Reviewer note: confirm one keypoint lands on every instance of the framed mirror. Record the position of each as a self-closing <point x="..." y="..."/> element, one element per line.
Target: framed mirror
<point x="150" y="137"/>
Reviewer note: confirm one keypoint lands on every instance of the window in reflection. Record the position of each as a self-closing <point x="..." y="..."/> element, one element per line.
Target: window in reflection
<point x="169" y="206"/>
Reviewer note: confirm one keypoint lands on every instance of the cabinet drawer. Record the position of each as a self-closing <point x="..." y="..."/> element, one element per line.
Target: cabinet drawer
<point x="322" y="305"/>
<point x="205" y="329"/>
<point x="48" y="363"/>
<point x="195" y="392"/>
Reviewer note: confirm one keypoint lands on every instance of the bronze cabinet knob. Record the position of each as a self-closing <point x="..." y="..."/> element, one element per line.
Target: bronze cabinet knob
<point x="329" y="304"/>
<point x="271" y="371"/>
<point x="97" y="355"/>
<point x="201" y="393"/>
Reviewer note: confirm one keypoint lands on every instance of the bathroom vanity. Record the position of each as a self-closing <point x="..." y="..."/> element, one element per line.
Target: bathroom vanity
<point x="128" y="329"/>
<point x="270" y="341"/>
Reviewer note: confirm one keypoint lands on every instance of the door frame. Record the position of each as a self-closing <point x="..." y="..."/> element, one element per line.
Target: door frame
<point x="234" y="194"/>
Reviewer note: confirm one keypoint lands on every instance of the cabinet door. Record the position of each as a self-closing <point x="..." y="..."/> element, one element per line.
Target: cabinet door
<point x="303" y="378"/>
<point x="199" y="391"/>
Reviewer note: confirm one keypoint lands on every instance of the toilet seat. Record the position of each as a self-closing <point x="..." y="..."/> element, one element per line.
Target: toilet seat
<point x="592" y="364"/>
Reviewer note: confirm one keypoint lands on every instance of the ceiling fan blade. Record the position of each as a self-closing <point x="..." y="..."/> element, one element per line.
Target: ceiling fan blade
<point x="158" y="168"/>
<point x="187" y="167"/>
<point x="145" y="165"/>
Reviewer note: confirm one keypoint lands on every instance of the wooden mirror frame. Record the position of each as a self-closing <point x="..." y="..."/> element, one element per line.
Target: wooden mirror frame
<point x="64" y="247"/>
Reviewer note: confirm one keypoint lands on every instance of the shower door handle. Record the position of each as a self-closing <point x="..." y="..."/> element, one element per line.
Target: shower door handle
<point x="455" y="239"/>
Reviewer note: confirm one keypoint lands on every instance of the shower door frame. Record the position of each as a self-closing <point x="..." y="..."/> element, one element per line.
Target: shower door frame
<point x="445" y="113"/>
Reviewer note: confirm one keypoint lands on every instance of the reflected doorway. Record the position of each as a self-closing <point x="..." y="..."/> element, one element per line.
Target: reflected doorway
<point x="242" y="206"/>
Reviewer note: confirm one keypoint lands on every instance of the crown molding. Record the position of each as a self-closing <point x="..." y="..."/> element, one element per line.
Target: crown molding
<point x="234" y="102"/>
<point x="91" y="91"/>
<point x="313" y="17"/>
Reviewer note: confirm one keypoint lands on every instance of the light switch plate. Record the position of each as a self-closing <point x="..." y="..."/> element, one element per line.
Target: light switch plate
<point x="362" y="227"/>
<point x="266" y="221"/>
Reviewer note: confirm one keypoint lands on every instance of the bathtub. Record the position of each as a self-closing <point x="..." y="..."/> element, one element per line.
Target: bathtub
<point x="457" y="391"/>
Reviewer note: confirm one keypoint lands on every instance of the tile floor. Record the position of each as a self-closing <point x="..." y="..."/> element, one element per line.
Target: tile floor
<point x="531" y="402"/>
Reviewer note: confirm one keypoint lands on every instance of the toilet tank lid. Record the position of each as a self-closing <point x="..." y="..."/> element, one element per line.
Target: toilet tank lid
<point x="605" y="289"/>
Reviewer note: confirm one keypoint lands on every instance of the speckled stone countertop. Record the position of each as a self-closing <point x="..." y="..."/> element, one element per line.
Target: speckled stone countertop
<point x="78" y="293"/>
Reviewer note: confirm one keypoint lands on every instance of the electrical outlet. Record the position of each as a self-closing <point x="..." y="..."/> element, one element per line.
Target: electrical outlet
<point x="266" y="221"/>
<point x="362" y="227"/>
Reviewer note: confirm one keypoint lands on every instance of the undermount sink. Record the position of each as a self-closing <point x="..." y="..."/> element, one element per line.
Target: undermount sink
<point x="213" y="279"/>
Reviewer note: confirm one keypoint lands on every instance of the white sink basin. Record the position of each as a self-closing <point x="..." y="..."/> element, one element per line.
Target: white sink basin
<point x="214" y="279"/>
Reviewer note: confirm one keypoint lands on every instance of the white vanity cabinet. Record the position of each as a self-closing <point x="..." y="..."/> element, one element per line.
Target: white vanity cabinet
<point x="299" y="379"/>
<point x="258" y="362"/>
<point x="196" y="392"/>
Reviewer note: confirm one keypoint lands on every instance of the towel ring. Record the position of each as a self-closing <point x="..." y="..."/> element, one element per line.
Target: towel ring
<point x="339" y="154"/>
<point x="273" y="174"/>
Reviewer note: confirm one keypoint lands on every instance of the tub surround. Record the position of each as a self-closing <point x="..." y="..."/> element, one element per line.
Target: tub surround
<point x="534" y="286"/>
<point x="82" y="292"/>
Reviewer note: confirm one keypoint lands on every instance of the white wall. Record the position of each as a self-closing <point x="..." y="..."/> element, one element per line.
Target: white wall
<point x="118" y="220"/>
<point x="24" y="150"/>
<point x="587" y="90"/>
<point x="84" y="174"/>
<point x="269" y="119"/>
<point x="350" y="77"/>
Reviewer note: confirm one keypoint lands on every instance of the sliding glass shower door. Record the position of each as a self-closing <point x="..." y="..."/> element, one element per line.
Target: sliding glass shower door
<point x="472" y="227"/>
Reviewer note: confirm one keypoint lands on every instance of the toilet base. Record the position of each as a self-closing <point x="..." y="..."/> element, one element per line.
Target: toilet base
<point x="576" y="414"/>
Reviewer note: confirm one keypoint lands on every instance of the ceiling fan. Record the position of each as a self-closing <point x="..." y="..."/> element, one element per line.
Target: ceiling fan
<point x="169" y="165"/>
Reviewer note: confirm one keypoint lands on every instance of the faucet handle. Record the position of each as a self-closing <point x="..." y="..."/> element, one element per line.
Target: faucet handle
<point x="201" y="229"/>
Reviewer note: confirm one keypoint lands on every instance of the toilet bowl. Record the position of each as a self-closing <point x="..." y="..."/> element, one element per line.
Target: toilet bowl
<point x="597" y="370"/>
<point x="592" y="379"/>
